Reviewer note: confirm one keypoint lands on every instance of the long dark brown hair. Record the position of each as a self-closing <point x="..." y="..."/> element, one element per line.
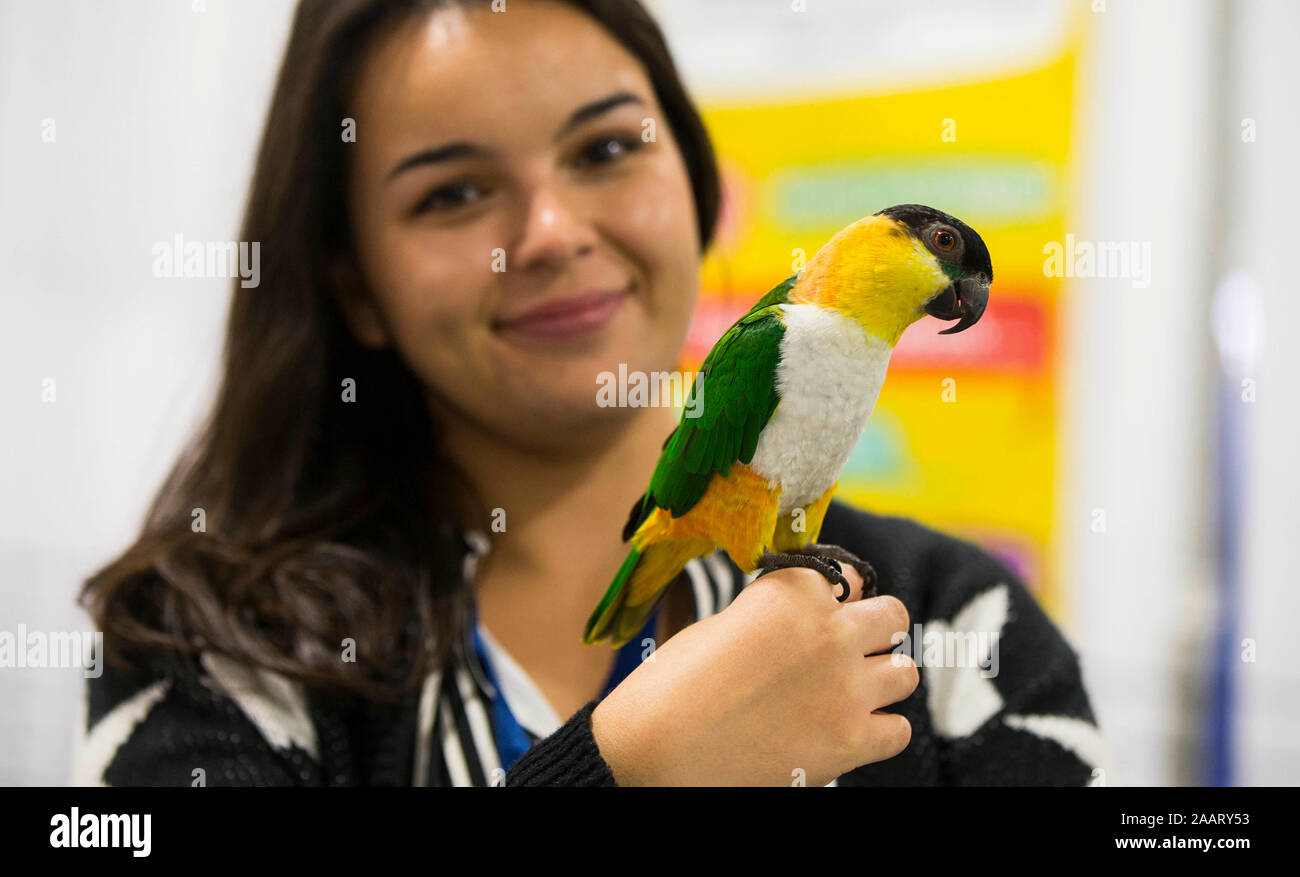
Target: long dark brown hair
<point x="294" y="520"/>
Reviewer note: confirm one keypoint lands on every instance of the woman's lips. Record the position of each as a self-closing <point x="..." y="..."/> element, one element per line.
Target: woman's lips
<point x="567" y="317"/>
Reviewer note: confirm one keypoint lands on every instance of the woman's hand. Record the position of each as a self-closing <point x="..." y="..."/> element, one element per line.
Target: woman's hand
<point x="775" y="684"/>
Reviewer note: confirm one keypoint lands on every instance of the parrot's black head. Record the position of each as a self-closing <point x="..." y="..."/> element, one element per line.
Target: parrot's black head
<point x="962" y="256"/>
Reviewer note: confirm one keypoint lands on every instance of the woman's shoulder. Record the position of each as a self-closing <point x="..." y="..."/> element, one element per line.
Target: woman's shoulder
<point x="161" y="719"/>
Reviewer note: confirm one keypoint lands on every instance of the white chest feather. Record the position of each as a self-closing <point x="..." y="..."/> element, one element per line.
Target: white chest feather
<point x="828" y="378"/>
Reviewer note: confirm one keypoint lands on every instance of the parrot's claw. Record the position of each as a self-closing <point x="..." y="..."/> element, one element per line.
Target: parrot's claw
<point x="827" y="566"/>
<point x="866" y="570"/>
<point x="834" y="554"/>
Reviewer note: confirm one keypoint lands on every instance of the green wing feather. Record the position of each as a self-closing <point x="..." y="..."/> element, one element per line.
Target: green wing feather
<point x="738" y="383"/>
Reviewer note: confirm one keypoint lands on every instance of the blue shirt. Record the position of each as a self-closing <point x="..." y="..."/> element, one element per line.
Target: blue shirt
<point x="511" y="739"/>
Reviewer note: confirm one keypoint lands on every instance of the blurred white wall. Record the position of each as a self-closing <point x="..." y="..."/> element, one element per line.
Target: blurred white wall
<point x="1163" y="159"/>
<point x="1136" y="384"/>
<point x="1263" y="191"/>
<point x="157" y="109"/>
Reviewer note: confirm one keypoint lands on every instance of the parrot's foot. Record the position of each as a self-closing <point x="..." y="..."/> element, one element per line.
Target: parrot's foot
<point x="829" y="554"/>
<point x="835" y="552"/>
<point x="827" y="566"/>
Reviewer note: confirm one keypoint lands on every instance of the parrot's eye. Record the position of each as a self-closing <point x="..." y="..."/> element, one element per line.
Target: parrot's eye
<point x="945" y="242"/>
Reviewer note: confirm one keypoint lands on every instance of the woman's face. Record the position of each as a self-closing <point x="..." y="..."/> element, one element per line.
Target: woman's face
<point x="499" y="166"/>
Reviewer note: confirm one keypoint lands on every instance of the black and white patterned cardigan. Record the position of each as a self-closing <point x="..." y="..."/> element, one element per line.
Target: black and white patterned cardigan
<point x="232" y="724"/>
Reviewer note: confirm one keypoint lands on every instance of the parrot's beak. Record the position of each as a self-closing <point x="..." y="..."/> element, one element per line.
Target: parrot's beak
<point x="962" y="300"/>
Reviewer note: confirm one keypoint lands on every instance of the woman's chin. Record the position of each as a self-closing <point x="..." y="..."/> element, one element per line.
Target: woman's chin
<point x="577" y="387"/>
<point x="580" y="384"/>
<point x="563" y="408"/>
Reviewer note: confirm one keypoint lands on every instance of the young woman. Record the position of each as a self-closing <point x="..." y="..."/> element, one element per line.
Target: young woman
<point x="315" y="597"/>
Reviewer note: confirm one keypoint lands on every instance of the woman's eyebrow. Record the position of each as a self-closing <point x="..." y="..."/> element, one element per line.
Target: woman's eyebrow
<point x="596" y="108"/>
<point x="463" y="148"/>
<point x="447" y="152"/>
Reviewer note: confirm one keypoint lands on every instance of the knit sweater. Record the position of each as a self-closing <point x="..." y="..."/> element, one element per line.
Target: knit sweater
<point x="1000" y="700"/>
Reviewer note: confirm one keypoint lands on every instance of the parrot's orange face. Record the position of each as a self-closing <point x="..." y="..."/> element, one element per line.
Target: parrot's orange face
<point x="515" y="233"/>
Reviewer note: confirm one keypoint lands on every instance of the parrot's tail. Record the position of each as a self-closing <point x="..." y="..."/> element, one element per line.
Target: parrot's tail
<point x="639" y="588"/>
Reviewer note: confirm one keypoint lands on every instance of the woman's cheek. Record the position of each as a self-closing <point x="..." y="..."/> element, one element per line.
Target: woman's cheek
<point x="659" y="211"/>
<point x="434" y="319"/>
<point x="656" y="220"/>
<point x="658" y="206"/>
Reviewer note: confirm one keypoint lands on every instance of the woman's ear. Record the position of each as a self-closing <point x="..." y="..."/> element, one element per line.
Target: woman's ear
<point x="360" y="311"/>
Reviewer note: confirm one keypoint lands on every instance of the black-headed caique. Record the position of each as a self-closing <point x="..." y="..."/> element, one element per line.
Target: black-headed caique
<point x="780" y="402"/>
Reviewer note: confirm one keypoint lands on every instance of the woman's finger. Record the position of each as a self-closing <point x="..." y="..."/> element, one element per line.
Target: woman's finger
<point x="883" y="621"/>
<point x="894" y="677"/>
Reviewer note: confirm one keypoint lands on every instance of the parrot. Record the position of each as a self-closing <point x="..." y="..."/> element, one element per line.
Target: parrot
<point x="779" y="404"/>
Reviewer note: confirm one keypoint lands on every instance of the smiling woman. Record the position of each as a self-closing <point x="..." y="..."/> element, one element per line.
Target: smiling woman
<point x="523" y="208"/>
<point x="515" y="231"/>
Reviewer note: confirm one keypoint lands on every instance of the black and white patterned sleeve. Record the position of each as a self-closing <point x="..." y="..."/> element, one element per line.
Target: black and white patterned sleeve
<point x="1015" y="711"/>
<point x="227" y="725"/>
<point x="1001" y="698"/>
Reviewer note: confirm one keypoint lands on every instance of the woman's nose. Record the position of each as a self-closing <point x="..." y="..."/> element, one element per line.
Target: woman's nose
<point x="553" y="231"/>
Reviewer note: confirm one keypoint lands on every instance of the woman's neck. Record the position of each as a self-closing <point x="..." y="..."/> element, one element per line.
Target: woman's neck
<point x="562" y="514"/>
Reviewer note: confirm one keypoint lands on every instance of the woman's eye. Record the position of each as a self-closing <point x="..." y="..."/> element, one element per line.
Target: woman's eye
<point x="607" y="150"/>
<point x="448" y="197"/>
